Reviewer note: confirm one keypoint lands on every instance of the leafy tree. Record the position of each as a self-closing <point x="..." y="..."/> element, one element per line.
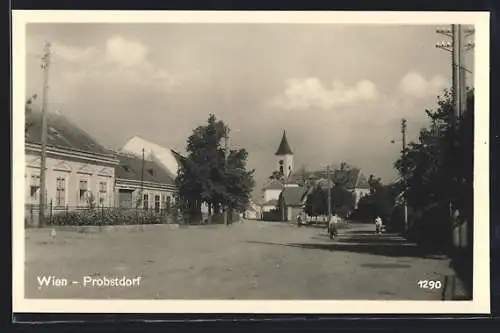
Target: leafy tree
<point x="316" y="202"/>
<point x="206" y="177"/>
<point x="438" y="171"/>
<point x="239" y="181"/>
<point x="375" y="184"/>
<point x="342" y="201"/>
<point x="379" y="202"/>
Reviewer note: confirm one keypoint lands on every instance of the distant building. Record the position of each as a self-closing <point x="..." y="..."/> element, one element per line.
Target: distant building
<point x="253" y="211"/>
<point x="167" y="161"/>
<point x="167" y="158"/>
<point x="282" y="178"/>
<point x="78" y="168"/>
<point x="283" y="172"/>
<point x="271" y="193"/>
<point x="284" y="157"/>
<point x="143" y="184"/>
<point x="292" y="200"/>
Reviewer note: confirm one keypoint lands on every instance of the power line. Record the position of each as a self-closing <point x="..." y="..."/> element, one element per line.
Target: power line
<point x="457" y="46"/>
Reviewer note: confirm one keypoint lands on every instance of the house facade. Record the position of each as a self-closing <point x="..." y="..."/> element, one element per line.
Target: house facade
<point x="78" y="169"/>
<point x="164" y="157"/>
<point x="142" y="183"/>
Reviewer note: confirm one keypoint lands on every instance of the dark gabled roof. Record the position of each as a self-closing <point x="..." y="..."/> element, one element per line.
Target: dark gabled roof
<point x="61" y="132"/>
<point x="293" y="196"/>
<point x="284" y="148"/>
<point x="130" y="168"/>
<point x="273" y="184"/>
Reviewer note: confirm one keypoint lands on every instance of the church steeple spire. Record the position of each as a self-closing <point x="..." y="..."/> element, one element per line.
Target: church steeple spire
<point x="284" y="147"/>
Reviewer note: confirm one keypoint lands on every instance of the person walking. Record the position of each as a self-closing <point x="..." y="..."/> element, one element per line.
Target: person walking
<point x="299" y="220"/>
<point x="378" y="225"/>
<point x="332" y="226"/>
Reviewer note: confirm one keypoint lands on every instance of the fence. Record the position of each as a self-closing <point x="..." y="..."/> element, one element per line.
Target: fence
<point x="80" y="216"/>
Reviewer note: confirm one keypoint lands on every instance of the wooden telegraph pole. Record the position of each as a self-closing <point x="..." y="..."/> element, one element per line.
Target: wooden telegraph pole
<point x="43" y="195"/>
<point x="141" y="200"/>
<point x="226" y="154"/>
<point x="329" y="192"/>
<point x="457" y="47"/>
<point x="403" y="151"/>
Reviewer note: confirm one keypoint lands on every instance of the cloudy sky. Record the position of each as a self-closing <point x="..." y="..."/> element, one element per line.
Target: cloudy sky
<point x="338" y="90"/>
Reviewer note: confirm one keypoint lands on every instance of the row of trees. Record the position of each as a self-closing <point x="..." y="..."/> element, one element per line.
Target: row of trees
<point x="382" y="201"/>
<point x="211" y="175"/>
<point x="436" y="175"/>
<point x="342" y="201"/>
<point x="438" y="170"/>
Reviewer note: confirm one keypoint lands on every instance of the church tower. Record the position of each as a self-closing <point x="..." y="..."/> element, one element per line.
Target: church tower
<point x="284" y="156"/>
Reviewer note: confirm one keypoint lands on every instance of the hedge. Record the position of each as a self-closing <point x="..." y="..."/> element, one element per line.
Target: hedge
<point x="110" y="216"/>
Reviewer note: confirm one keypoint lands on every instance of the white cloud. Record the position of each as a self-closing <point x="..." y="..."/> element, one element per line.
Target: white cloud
<point x="125" y="52"/>
<point x="414" y="84"/>
<point x="312" y="93"/>
<point x="73" y="54"/>
<point x="119" y="63"/>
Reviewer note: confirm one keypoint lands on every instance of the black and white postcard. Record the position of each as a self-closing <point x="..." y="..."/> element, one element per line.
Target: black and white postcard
<point x="251" y="162"/>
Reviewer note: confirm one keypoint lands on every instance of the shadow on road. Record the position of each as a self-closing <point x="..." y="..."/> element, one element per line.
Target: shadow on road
<point x="376" y="247"/>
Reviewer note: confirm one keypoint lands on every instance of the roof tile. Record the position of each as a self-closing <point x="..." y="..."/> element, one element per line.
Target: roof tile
<point x="61" y="132"/>
<point x="130" y="168"/>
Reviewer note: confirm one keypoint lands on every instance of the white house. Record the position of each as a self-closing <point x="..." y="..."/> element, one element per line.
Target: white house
<point x="253" y="211"/>
<point x="165" y="157"/>
<point x="77" y="167"/>
<point x="143" y="183"/>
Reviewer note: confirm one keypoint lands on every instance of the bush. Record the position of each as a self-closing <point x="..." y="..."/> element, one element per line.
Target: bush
<point x="108" y="216"/>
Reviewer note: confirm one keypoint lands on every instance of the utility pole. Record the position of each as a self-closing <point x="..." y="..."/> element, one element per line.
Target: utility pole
<point x="403" y="151"/>
<point x="226" y="154"/>
<point x="43" y="195"/>
<point x="142" y="180"/>
<point x="329" y="193"/>
<point x="457" y="48"/>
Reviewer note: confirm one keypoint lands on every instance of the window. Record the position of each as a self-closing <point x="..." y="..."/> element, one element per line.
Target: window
<point x="35" y="187"/>
<point x="157" y="203"/>
<point x="145" y="201"/>
<point x="82" y="192"/>
<point x="282" y="170"/>
<point x="60" y="191"/>
<point x="163" y="201"/>
<point x="103" y="191"/>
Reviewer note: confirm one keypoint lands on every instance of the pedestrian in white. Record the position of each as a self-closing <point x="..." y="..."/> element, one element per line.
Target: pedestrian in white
<point x="332" y="226"/>
<point x="378" y="225"/>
